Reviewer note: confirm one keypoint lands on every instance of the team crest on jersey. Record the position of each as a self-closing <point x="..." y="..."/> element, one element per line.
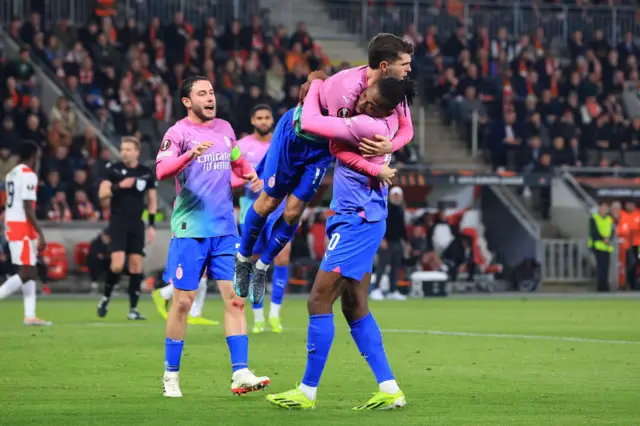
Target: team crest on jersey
<point x="272" y="181"/>
<point x="141" y="184"/>
<point x="179" y="272"/>
<point x="166" y="144"/>
<point x="344" y="113"/>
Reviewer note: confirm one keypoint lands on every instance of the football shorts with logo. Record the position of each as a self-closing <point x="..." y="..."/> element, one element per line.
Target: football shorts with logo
<point x="295" y="162"/>
<point x="353" y="244"/>
<point x="188" y="258"/>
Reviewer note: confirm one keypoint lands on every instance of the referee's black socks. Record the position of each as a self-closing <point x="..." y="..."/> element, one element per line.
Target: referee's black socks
<point x="135" y="284"/>
<point x="111" y="282"/>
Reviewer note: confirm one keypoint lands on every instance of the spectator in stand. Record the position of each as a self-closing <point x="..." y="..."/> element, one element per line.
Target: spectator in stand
<point x="65" y="114"/>
<point x="10" y="138"/>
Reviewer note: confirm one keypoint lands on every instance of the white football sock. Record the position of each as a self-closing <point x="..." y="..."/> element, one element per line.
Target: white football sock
<point x="389" y="386"/>
<point x="261" y="266"/>
<point x="198" y="301"/>
<point x="308" y="391"/>
<point x="167" y="292"/>
<point x="29" y="298"/>
<point x="10" y="286"/>
<point x="274" y="310"/>
<point x="258" y="315"/>
<point x="242" y="258"/>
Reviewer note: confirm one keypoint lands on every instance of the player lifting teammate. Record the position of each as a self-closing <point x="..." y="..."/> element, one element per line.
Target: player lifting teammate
<point x="22" y="230"/>
<point x="355" y="233"/>
<point x="201" y="152"/>
<point x="296" y="162"/>
<point x="126" y="184"/>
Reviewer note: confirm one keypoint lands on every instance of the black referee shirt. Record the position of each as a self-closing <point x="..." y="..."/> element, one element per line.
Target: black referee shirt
<point x="129" y="203"/>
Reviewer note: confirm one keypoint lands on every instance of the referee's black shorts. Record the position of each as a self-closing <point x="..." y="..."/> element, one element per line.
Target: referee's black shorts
<point x="127" y="236"/>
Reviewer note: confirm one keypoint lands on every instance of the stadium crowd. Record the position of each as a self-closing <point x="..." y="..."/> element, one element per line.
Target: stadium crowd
<point x="539" y="104"/>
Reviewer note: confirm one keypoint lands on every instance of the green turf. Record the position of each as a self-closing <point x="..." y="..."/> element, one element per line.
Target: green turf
<point x="81" y="373"/>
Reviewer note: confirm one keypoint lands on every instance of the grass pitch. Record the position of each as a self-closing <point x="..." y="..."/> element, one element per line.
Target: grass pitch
<point x="459" y="361"/>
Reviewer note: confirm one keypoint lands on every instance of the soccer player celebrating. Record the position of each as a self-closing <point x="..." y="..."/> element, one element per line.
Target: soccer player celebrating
<point x="200" y="151"/>
<point x="296" y="162"/>
<point x="126" y="184"/>
<point x="254" y="147"/>
<point x="22" y="230"/>
<point x="355" y="233"/>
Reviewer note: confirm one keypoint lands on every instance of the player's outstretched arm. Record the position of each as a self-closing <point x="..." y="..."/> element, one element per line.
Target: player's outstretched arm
<point x="241" y="168"/>
<point x="171" y="159"/>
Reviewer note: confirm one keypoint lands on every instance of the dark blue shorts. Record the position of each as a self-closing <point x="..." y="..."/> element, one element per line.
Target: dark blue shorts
<point x="293" y="165"/>
<point x="353" y="244"/>
<point x="188" y="257"/>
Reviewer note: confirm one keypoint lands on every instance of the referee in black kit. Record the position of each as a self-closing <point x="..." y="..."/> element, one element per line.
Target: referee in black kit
<point x="126" y="184"/>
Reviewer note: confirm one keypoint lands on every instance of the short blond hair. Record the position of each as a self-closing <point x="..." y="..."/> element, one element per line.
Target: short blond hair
<point x="131" y="139"/>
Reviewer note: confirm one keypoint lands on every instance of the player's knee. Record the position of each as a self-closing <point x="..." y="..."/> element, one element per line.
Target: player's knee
<point x="293" y="213"/>
<point x="319" y="303"/>
<point x="135" y="264"/>
<point x="235" y="305"/>
<point x="183" y="301"/>
<point x="117" y="267"/>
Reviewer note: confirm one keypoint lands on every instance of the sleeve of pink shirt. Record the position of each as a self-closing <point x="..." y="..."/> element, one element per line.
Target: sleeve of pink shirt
<point x="353" y="160"/>
<point x="349" y="130"/>
<point x="172" y="157"/>
<point x="405" y="128"/>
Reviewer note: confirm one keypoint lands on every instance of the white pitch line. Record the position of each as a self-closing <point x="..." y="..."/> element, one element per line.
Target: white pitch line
<point x="430" y="332"/>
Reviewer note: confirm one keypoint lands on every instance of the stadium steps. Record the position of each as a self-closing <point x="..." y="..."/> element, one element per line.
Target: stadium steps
<point x="337" y="43"/>
<point x="441" y="145"/>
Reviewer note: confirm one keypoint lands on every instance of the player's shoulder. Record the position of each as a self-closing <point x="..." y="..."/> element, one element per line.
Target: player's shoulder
<point x="143" y="170"/>
<point x="115" y="165"/>
<point x="224" y="127"/>
<point x="22" y="171"/>
<point x="176" y="131"/>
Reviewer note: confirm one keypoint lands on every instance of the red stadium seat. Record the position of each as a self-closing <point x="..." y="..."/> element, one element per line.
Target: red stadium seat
<point x="55" y="257"/>
<point x="80" y="256"/>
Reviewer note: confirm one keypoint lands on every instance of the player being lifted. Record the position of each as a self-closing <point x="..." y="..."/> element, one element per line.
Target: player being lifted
<point x="126" y="184"/>
<point x="200" y="152"/>
<point x="254" y="148"/>
<point x="296" y="162"/>
<point x="23" y="233"/>
<point x="355" y="233"/>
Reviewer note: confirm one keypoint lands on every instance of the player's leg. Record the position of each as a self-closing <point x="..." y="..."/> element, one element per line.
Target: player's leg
<point x="356" y="250"/>
<point x="280" y="281"/>
<point x="24" y="256"/>
<point x="161" y="298"/>
<point x="117" y="248"/>
<point x="258" y="308"/>
<point x="278" y="169"/>
<point x="135" y="252"/>
<point x="185" y="262"/>
<point x="195" y="314"/>
<point x="221" y="269"/>
<point x="285" y="227"/>
<point x="327" y="287"/>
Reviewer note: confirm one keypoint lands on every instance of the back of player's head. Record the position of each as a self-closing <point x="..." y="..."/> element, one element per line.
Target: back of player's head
<point x="386" y="47"/>
<point x="27" y="150"/>
<point x="394" y="92"/>
<point x="260" y="107"/>
<point x="187" y="85"/>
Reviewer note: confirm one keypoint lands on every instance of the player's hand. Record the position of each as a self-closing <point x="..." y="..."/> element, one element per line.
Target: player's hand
<point x="127" y="182"/>
<point x="257" y="185"/>
<point x="386" y="175"/>
<point x="42" y="242"/>
<point x="252" y="178"/>
<point x="381" y="146"/>
<point x="151" y="234"/>
<point x="199" y="149"/>
<point x="317" y="75"/>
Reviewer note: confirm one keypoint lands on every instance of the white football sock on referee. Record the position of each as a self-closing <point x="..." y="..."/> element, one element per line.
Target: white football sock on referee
<point x="167" y="292"/>
<point x="10" y="286"/>
<point x="29" y="298"/>
<point x="198" y="301"/>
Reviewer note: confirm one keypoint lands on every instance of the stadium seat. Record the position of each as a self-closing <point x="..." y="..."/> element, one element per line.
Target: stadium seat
<point x="80" y="256"/>
<point x="632" y="158"/>
<point x="55" y="257"/>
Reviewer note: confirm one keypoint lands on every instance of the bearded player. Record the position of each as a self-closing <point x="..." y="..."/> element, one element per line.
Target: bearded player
<point x="200" y="152"/>
<point x="355" y="233"/>
<point x="296" y="162"/>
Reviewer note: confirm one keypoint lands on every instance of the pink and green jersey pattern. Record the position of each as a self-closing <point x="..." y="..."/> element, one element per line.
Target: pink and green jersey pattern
<point x="204" y="206"/>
